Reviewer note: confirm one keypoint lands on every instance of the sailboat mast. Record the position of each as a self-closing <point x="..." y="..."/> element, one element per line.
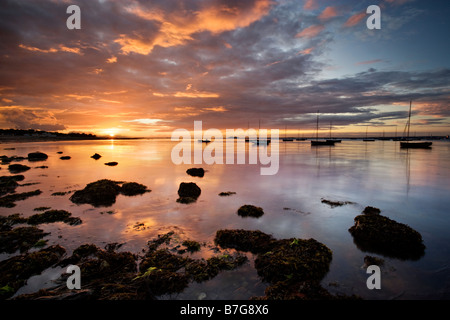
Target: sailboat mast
<point x="317" y="126"/>
<point x="330" y="128"/>
<point x="409" y="117"/>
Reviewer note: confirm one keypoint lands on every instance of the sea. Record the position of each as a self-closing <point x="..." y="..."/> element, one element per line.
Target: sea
<point x="410" y="186"/>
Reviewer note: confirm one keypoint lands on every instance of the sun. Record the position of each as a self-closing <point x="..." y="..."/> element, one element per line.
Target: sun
<point x="111" y="133"/>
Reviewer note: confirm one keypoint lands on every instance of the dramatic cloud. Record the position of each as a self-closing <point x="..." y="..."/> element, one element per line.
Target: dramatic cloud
<point x="148" y="67"/>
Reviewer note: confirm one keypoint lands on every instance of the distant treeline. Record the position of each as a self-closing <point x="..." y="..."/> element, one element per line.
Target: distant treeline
<point x="41" y="133"/>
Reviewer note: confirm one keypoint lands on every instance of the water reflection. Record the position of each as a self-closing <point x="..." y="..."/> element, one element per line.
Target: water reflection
<point x="410" y="186"/>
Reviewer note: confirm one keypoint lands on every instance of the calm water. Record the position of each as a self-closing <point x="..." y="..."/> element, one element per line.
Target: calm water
<point x="411" y="187"/>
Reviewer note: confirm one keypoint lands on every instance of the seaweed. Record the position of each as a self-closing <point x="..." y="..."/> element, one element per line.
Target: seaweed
<point x="336" y="203"/>
<point x="244" y="240"/>
<point x="16" y="270"/>
<point x="8" y="200"/>
<point x="53" y="216"/>
<point x="8" y="184"/>
<point x="191" y="245"/>
<point x="20" y="238"/>
<point x="226" y="193"/>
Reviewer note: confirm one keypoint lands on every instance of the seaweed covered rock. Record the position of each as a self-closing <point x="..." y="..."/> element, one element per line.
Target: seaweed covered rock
<point x="18" y="168"/>
<point x="53" y="216"/>
<point x="8" y="184"/>
<point x="16" y="270"/>
<point x="188" y="192"/>
<point x="99" y="193"/>
<point x="133" y="188"/>
<point x="249" y="210"/>
<point x="196" y="172"/>
<point x="37" y="156"/>
<point x="285" y="264"/>
<point x="244" y="240"/>
<point x="295" y="260"/>
<point x="20" y="238"/>
<point x="9" y="200"/>
<point x="376" y="233"/>
<point x="371" y="210"/>
<point x="334" y="204"/>
<point x="6" y="222"/>
<point x="104" y="192"/>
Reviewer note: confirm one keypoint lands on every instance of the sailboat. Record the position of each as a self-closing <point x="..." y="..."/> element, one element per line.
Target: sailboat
<point x="415" y="144"/>
<point x="285" y="137"/>
<point x="367" y="139"/>
<point x="260" y="141"/>
<point x="318" y="142"/>
<point x="331" y="139"/>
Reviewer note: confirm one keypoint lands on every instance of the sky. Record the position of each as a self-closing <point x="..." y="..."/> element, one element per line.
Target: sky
<point x="145" y="68"/>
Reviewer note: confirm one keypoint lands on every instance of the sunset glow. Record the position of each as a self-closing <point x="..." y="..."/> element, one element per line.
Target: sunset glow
<point x="148" y="68"/>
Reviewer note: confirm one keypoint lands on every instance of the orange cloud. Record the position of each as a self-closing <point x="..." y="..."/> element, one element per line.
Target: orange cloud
<point x="328" y="13"/>
<point x="310" y="32"/>
<point x="176" y="29"/>
<point x="310" y="5"/>
<point x="354" y="19"/>
<point x="61" y="48"/>
<point x="111" y="60"/>
<point x="196" y="95"/>
<point x="306" y="51"/>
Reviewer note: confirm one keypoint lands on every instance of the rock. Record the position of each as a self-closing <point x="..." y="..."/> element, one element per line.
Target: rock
<point x="96" y="156"/>
<point x="196" y="172"/>
<point x="133" y="188"/>
<point x="104" y="192"/>
<point x="65" y="158"/>
<point x="249" y="210"/>
<point x="227" y="193"/>
<point x="17" y="168"/>
<point x="371" y="210"/>
<point x="37" y="156"/>
<point x="59" y="152"/>
<point x="188" y="192"/>
<point x="378" y="234"/>
<point x="98" y="193"/>
<point x="111" y="164"/>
